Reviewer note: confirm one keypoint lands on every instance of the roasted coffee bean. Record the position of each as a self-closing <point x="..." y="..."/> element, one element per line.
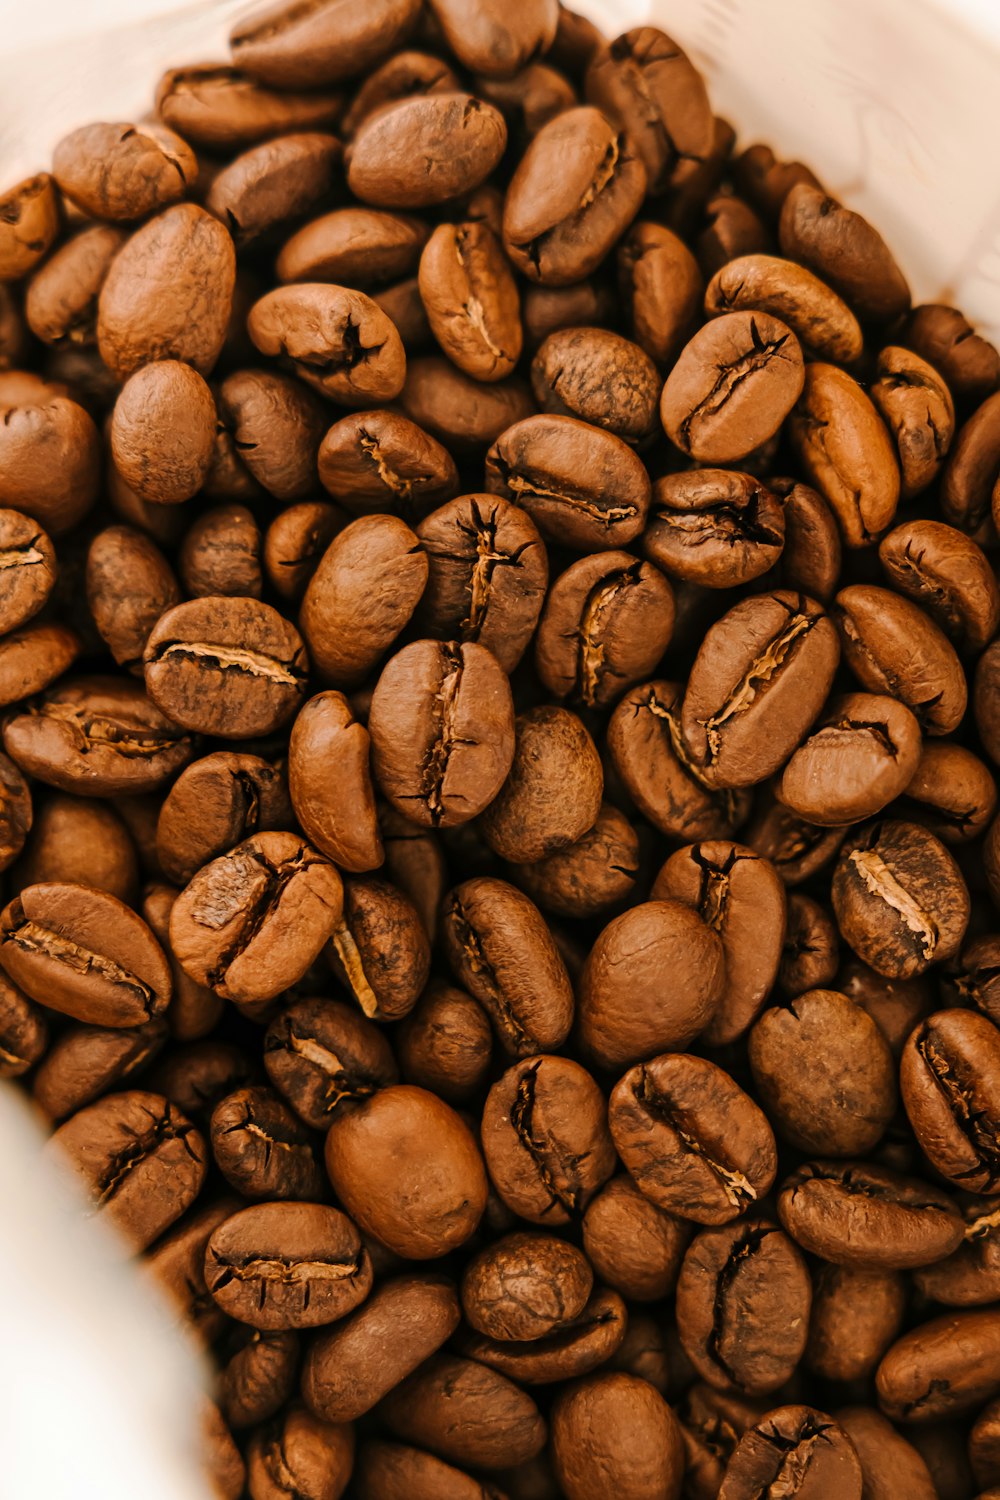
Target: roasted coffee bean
<point x="712" y="1423"/>
<point x="28" y="569"/>
<point x="380" y="461"/>
<point x="757" y="684"/>
<point x="176" y="1267"/>
<point x="941" y="1369"/>
<point x="261" y="1149"/>
<point x="49" y="459"/>
<point x="60" y="303"/>
<point x="442" y="731"/>
<point x="249" y="924"/>
<point x="359" y="247"/>
<point x="739" y="895"/>
<point x="379" y="950"/>
<point x="492" y="40"/>
<point x="218" y="107"/>
<point x="580" y="1345"/>
<point x="825" y="1074"/>
<point x="951" y="792"/>
<point x="843" y="248"/>
<point x="196" y="1076"/>
<point x="361" y="596"/>
<point x="348" y="1369"/>
<point x="743" y="1299"/>
<point x="899" y="898"/>
<point x="87" y="1061"/>
<point x="856" y="1314"/>
<point x="606" y="624"/>
<point x="79" y="841"/>
<point x="525" y="1287"/>
<point x="334" y="339"/>
<point x="732" y="387"/>
<point x="973" y="467"/>
<point x="330" y="783"/>
<point x="917" y="408"/>
<point x="767" y="284"/>
<point x="972" y="977"/>
<point x="24" y="1033"/>
<point x="648" y="752"/>
<point x="84" y="953"/>
<point x="846" y="451"/>
<point x="949" y="575"/>
<point x="946" y="339"/>
<point x="552" y="794"/>
<point x="583" y="487"/>
<point x="287" y="1265"/>
<point x="466" y="1413"/>
<point x="733" y="229"/>
<point x="257" y="1374"/>
<point x="408" y="1169"/>
<point x="632" y="1244"/>
<point x="139" y="1162"/>
<point x="893" y="647"/>
<point x="613" y="1434"/>
<point x="232" y="667"/>
<point x="271" y="182"/>
<point x="810" y="954"/>
<point x="123" y="171"/>
<point x="130" y="585"/>
<point x="220" y="555"/>
<point x="216" y="803"/>
<point x="403" y="306"/>
<point x="765" y="180"/>
<point x="889" y="1464"/>
<point x="468" y="415"/>
<point x="297" y="1450"/>
<point x="715" y="527"/>
<point x="319" y="1053"/>
<point x="163" y="432"/>
<point x="194" y="1010"/>
<point x="16" y="812"/>
<point x="274" y="425"/>
<point x="402" y="75"/>
<point x="576" y="189"/>
<point x="444" y="1044"/>
<point x="168" y="293"/>
<point x="500" y="949"/>
<point x="289" y="48"/>
<point x="862" y="756"/>
<point x="294" y="543"/>
<point x="395" y="1471"/>
<point x="33" y="657"/>
<point x="471" y="299"/>
<point x="986" y="700"/>
<point x="599" y="377"/>
<point x="895" y="1005"/>
<point x="29" y="216"/>
<point x="693" y="1141"/>
<point x="811" y="560"/>
<point x="596" y="873"/>
<point x="546" y="1140"/>
<point x="856" y="1214"/>
<point x="795" y="1448"/>
<point x="661" y="289"/>
<point x="948" y="1074"/>
<point x="424" y="150"/>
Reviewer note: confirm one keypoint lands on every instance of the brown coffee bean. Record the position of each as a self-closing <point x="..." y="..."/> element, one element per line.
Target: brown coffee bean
<point x="525" y="1286"/>
<point x="649" y="754"/>
<point x="123" y="171"/>
<point x="334" y="339"/>
<point x="442" y="731"/>
<point x="348" y="1369"/>
<point x="444" y="1044"/>
<point x="275" y="425"/>
<point x="379" y="949"/>
<point x="249" y="924"/>
<point x="856" y="1314"/>
<point x="139" y="1162"/>
<point x="415" y="861"/>
<point x="973" y="468"/>
<point x="50" y="459"/>
<point x="648" y="86"/>
<point x="288" y="48"/>
<point x="287" y="1265"/>
<point x="424" y="150"/>
<point x="15" y="812"/>
<point x="843" y="248"/>
<point x="715" y="527"/>
<point x="196" y="1076"/>
<point x="28" y="569"/>
<point x="811" y="560"/>
<point x="471" y="299"/>
<point x="402" y="75"/>
<point x="889" y="1464"/>
<point x="583" y="487"/>
<point x="380" y="461"/>
<point x="612" y="1435"/>
<point x="947" y="573"/>
<point x="96" y="736"/>
<point x="857" y="1214"/>
<point x="354" y="246"/>
<point x="895" y="1005"/>
<point x="163" y="432"/>
<point x="528" y="99"/>
<point x="862" y="755"/>
<point x="733" y="229"/>
<point x="600" y="378"/>
<point x="810" y="954"/>
<point x="692" y="1140"/>
<point x="168" y="293"/>
<point x="712" y="1423"/>
<point x="948" y="1074"/>
<point x="732" y="386"/>
<point x="129" y="586"/>
<point x="29" y="222"/>
<point x="466" y="1413"/>
<point x="231" y="667"/>
<point x="899" y="898"/>
<point x="739" y="895"/>
<point x="466" y="414"/>
<point x="946" y="339"/>
<point x="84" y="953"/>
<point x="552" y="795"/>
<point x="972" y="977"/>
<point x="952" y="792"/>
<point x="176" y="1268"/>
<point x="194" y="1010"/>
<point x="80" y="841"/>
<point x="271" y="182"/>
<point x="847" y="453"/>
<point x="330" y="783"/>
<point x="580" y="1345"/>
<point x="257" y="1375"/>
<point x="220" y="108"/>
<point x="767" y="284"/>
<point x="262" y="1150"/>
<point x="294" y="543"/>
<point x="216" y="803"/>
<point x="545" y="1139"/>
<point x="24" y="1034"/>
<point x="632" y="1244"/>
<point x="596" y="873"/>
<point x="87" y="1061"/>
<point x="986" y="701"/>
<point x="917" y="408"/>
<point x="319" y="1053"/>
<point x="32" y="658"/>
<point x="361" y="596"/>
<point x="490" y="39"/>
<point x="758" y="682"/>
<point x="407" y="1168"/>
<point x="661" y="289"/>
<point x="315" y="1458"/>
<point x="220" y="555"/>
<point x="893" y="647"/>
<point x="796" y="1448"/>
<point x="942" y="1369"/>
<point x="60" y="303"/>
<point x="395" y="1471"/>
<point x="500" y="949"/>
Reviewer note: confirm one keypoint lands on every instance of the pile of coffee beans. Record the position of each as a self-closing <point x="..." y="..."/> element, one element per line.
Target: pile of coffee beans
<point x="500" y="687"/>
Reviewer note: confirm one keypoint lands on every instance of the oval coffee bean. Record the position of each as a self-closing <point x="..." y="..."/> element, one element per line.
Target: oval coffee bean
<point x="693" y="1141"/>
<point x="947" y="340"/>
<point x="271" y="182"/>
<point x="299" y="1451"/>
<point x="856" y="1314"/>
<point x="467" y="1413"/>
<point x="257" y="1375"/>
<point x="222" y="109"/>
<point x="952" y="792"/>
<point x="632" y="1244"/>
<point x="889" y="1463"/>
<point x="947" y="573"/>
<point x="445" y="1042"/>
<point x="614" y="1435"/>
<point x="811" y="559"/>
<point x="262" y="1150"/>
<point x="85" y="953"/>
<point x="163" y="432"/>
<point x="220" y="555"/>
<point x="29" y="216"/>
<point x="862" y="756"/>
<point x="289" y="48"/>
<point x="379" y="949"/>
<point x="917" y="408"/>
<point x="714" y="527"/>
<point x="123" y="171"/>
<point x="49" y="460"/>
<point x="274" y="424"/>
<point x="858" y="1214"/>
<point x="893" y="647"/>
<point x="949" y="1074"/>
<point x="294" y="543"/>
<point x="471" y="300"/>
<point x="358" y="247"/>
<point x="422" y="151"/>
<point x="973" y="467"/>
<point x="661" y="289"/>
<point x="23" y="1031"/>
<point x="28" y="569"/>
<point x="525" y="1286"/>
<point x="87" y="1061"/>
<point x="599" y="377"/>
<point x="287" y="1265"/>
<point x="335" y="339"/>
<point x="843" y="248"/>
<point x="814" y="313"/>
<point x="129" y="585"/>
<point x="575" y="1348"/>
<point x="795" y="1448"/>
<point x="596" y="873"/>
<point x="213" y="805"/>
<point x="942" y="1369"/>
<point x="465" y="414"/>
<point x="321" y="1053"/>
<point x="732" y="386"/>
<point x="381" y="461"/>
<point x="552" y="794"/>
<point x="493" y="40"/>
<point x="60" y="303"/>
<point x="330" y="783"/>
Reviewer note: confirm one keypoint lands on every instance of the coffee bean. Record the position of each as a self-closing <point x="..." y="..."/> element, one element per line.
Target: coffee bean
<point x="596" y="873"/>
<point x="767" y="284"/>
<point x="947" y="340"/>
<point x="16" y="813"/>
<point x="487" y="38"/>
<point x="289" y="48"/>
<point x="714" y="527"/>
<point x="424" y="150"/>
<point x="29" y="216"/>
<point x="661" y="289"/>
<point x="414" y="858"/>
<point x="123" y="171"/>
<point x="899" y="898"/>
<point x="552" y="794"/>
<point x="176" y="1267"/>
<point x="947" y="1074"/>
<point x="60" y="303"/>
<point x="845" y="250"/>
<point x="942" y="1369"/>
<point x="137" y="1159"/>
<point x="50" y="460"/>
<point x="893" y="647"/>
<point x="856" y="1214"/>
<point x="220" y="555"/>
<point x="712" y="1423"/>
<point x="444" y="1044"/>
<point x="525" y="1286"/>
<point x="32" y="658"/>
<point x="380" y="461"/>
<point x="466" y="414"/>
<point x="599" y="377"/>
<point x="275" y="425"/>
<point x="194" y="1009"/>
<point x="261" y="1149"/>
<point x="217" y="802"/>
<point x="287" y="1265"/>
<point x="733" y="229"/>
<point x="379" y="950"/>
<point x="467" y="1413"/>
<point x="320" y="1053"/>
<point x="23" y="1031"/>
<point x="810" y="954"/>
<point x="529" y="99"/>
<point x="632" y="1244"/>
<point x="856" y="1314"/>
<point x="88" y="1061"/>
<point x="973" y="468"/>
<point x="359" y="247"/>
<point x="195" y="1077"/>
<point x="329" y="750"/>
<point x="888" y="1462"/>
<point x="395" y="1471"/>
<point x="271" y="182"/>
<point x="580" y="1345"/>
<point x="864" y="754"/>
<point x="407" y="1168"/>
<point x="798" y="1448"/>
<point x="258" y="1373"/>
<point x="811" y="560"/>
<point x="294" y="543"/>
<point x="129" y="586"/>
<point x="401" y="76"/>
<point x="299" y="1450"/>
<point x="220" y="108"/>
<point x="334" y="339"/>
<point x="613" y="1434"/>
<point x="916" y="406"/>
<point x="471" y="299"/>
<point x="949" y="575"/>
<point x="163" y="432"/>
